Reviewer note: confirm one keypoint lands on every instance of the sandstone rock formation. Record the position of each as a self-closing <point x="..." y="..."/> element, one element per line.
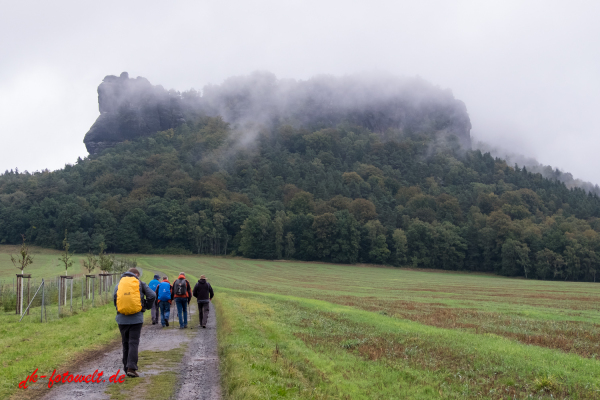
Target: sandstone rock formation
<point x="132" y="108"/>
<point x="129" y="109"/>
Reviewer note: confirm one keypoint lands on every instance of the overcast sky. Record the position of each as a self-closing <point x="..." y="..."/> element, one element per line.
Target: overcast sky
<point x="528" y="71"/>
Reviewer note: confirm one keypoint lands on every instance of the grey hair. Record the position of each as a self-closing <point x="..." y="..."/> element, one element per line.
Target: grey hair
<point x="182" y="273"/>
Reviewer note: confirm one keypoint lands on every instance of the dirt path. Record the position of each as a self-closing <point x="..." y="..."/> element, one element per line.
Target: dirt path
<point x="197" y="374"/>
<point x="200" y="378"/>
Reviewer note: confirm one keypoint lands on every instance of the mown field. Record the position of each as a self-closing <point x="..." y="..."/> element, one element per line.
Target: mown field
<point x="323" y="331"/>
<point x="305" y="330"/>
<point x="45" y="263"/>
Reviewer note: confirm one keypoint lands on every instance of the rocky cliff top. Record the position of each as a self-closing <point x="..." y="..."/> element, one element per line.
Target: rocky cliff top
<point x="132" y="108"/>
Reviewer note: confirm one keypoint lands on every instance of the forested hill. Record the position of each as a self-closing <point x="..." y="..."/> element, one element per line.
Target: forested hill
<point x="343" y="193"/>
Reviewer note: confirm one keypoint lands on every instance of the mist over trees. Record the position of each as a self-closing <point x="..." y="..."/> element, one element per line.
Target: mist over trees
<point x="134" y="108"/>
<point x="533" y="165"/>
<point x="344" y="191"/>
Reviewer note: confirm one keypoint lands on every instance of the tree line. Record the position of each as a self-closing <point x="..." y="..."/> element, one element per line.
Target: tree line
<point x="402" y="197"/>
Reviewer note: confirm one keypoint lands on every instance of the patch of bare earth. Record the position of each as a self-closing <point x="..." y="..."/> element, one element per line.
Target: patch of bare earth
<point x="580" y="338"/>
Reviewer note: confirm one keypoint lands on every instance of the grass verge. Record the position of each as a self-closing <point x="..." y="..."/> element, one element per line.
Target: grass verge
<point x="48" y="346"/>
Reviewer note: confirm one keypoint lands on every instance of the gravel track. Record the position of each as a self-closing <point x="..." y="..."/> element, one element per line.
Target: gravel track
<point x="200" y="378"/>
<point x="199" y="374"/>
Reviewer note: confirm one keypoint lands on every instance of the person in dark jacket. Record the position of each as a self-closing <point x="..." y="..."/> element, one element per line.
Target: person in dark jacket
<point x="203" y="292"/>
<point x="131" y="325"/>
<point x="182" y="293"/>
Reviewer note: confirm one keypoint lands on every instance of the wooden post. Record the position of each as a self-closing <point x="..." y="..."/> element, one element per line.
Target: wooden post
<point x="103" y="283"/>
<point x="59" y="297"/>
<point x="28" y="289"/>
<point x="63" y="289"/>
<point x="43" y="298"/>
<point x="19" y="308"/>
<point x="89" y="283"/>
<point x="93" y="277"/>
<point x="71" y="294"/>
<point x="20" y="290"/>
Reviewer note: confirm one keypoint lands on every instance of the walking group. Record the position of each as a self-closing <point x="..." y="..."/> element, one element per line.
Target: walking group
<point x="132" y="297"/>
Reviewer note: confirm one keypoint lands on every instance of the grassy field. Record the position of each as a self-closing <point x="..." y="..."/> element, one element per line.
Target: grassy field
<point x="45" y="263"/>
<point x="316" y="331"/>
<point x="306" y="330"/>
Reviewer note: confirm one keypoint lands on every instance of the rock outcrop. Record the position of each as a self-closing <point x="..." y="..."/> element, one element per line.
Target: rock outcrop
<point x="133" y="108"/>
<point x="129" y="109"/>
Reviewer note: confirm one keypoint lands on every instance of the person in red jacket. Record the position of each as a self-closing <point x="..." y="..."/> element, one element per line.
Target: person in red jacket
<point x="182" y="293"/>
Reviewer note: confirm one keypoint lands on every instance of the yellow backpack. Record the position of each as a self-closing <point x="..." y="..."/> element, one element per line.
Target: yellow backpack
<point x="128" y="296"/>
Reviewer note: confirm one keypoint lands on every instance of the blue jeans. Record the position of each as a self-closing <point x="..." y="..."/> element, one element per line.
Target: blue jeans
<point x="165" y="311"/>
<point x="182" y="304"/>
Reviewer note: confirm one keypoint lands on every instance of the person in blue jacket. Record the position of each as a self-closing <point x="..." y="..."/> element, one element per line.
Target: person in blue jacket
<point x="152" y="285"/>
<point x="164" y="293"/>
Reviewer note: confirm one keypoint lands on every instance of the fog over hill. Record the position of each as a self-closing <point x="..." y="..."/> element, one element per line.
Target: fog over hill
<point x="532" y="165"/>
<point x="132" y="108"/>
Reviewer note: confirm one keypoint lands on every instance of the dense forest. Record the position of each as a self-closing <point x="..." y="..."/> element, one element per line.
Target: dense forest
<point x="344" y="194"/>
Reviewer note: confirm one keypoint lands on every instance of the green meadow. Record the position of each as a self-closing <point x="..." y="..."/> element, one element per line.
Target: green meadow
<point x="45" y="263"/>
<point x="323" y="331"/>
<point x="308" y="330"/>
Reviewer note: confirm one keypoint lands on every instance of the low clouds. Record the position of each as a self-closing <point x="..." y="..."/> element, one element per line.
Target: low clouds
<point x="527" y="71"/>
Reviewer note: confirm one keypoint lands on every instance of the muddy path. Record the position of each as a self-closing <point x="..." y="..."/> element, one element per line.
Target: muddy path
<point x="200" y="378"/>
<point x="184" y="361"/>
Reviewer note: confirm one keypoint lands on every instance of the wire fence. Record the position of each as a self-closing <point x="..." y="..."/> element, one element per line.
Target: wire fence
<point x="49" y="299"/>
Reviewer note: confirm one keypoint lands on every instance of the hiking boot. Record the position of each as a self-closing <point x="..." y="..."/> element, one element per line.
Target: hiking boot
<point x="204" y="326"/>
<point x="153" y="323"/>
<point x="132" y="373"/>
<point x="167" y="323"/>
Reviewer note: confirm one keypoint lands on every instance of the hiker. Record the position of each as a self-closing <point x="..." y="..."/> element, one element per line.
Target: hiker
<point x="154" y="312"/>
<point x="164" y="293"/>
<point x="129" y="302"/>
<point x="203" y="292"/>
<point x="182" y="293"/>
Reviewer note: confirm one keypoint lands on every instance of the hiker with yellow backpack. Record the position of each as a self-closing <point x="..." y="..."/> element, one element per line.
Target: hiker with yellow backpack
<point x="130" y="303"/>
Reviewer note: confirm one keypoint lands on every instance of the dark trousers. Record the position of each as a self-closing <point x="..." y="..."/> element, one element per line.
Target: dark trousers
<point x="130" y="337"/>
<point x="203" y="309"/>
